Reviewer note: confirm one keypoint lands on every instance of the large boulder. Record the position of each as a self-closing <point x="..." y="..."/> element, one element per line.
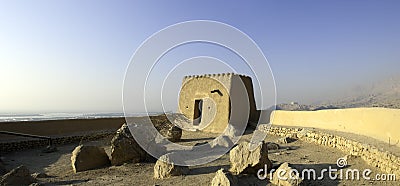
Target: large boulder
<point x="245" y="161"/>
<point x="285" y="176"/>
<point x="17" y="176"/>
<point x="125" y="149"/>
<point x="88" y="157"/>
<point x="165" y="168"/>
<point x="224" y="178"/>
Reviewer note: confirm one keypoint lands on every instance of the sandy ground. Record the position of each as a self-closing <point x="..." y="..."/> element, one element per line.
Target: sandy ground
<point x="301" y="155"/>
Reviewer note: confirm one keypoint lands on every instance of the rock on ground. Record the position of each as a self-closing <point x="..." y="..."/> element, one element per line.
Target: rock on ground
<point x="88" y="157"/>
<point x="39" y="175"/>
<point x="224" y="178"/>
<point x="17" y="176"/>
<point x="174" y="134"/>
<point x="285" y="140"/>
<point x="124" y="148"/>
<point x="164" y="168"/>
<point x="245" y="161"/>
<point x="287" y="176"/>
<point x="163" y="124"/>
<point x="272" y="146"/>
<point x="50" y="149"/>
<point x="303" y="133"/>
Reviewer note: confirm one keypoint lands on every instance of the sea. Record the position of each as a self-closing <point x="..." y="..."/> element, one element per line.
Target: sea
<point x="5" y="117"/>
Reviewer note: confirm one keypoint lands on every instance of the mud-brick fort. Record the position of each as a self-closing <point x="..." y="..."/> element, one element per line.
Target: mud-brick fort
<point x="206" y="99"/>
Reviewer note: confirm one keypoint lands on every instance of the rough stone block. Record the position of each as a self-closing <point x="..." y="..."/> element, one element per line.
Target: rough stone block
<point x="224" y="178"/>
<point x="245" y="161"/>
<point x="88" y="157"/>
<point x="165" y="168"/>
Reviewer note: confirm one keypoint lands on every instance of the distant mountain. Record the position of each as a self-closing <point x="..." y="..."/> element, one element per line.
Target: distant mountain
<point x="299" y="107"/>
<point x="385" y="93"/>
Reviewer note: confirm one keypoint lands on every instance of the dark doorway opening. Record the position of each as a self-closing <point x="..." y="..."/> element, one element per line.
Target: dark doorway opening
<point x="198" y="106"/>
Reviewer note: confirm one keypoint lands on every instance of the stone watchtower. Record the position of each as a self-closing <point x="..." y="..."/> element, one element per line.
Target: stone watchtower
<point x="206" y="99"/>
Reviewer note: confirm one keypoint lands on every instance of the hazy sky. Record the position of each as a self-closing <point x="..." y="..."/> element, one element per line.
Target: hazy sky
<point x="71" y="56"/>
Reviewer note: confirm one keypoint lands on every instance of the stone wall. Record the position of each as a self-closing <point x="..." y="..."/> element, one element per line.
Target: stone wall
<point x="55" y="128"/>
<point x="380" y="123"/>
<point x="31" y="144"/>
<point x="384" y="160"/>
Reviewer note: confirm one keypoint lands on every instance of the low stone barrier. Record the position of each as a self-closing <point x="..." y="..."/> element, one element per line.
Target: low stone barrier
<point x="384" y="160"/>
<point x="31" y="144"/>
<point x="378" y="123"/>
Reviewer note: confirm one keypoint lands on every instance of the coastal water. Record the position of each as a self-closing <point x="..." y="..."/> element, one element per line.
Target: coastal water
<point x="5" y="117"/>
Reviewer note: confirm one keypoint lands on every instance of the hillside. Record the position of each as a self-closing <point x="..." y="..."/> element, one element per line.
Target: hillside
<point x="384" y="93"/>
